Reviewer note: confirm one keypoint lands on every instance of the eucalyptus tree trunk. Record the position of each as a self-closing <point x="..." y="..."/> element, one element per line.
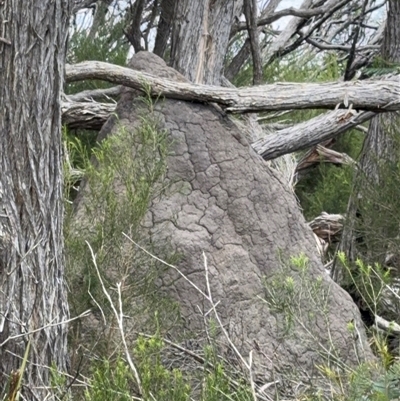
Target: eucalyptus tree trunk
<point x="33" y="301"/>
<point x="164" y="27"/>
<point x="371" y="223"/>
<point x="200" y="38"/>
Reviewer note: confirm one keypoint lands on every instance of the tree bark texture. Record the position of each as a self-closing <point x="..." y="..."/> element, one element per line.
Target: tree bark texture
<point x="200" y="38"/>
<point x="33" y="301"/>
<point x="133" y="32"/>
<point x="250" y="12"/>
<point x="164" y="27"/>
<point x="241" y="57"/>
<point x="372" y="95"/>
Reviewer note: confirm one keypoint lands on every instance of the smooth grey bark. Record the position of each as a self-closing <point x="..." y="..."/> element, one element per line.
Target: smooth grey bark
<point x="33" y="300"/>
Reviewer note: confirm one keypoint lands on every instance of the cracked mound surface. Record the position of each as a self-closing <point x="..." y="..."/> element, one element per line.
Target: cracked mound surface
<point x="223" y="200"/>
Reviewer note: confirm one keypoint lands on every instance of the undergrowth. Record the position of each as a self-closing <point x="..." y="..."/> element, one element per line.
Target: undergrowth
<point x="119" y="177"/>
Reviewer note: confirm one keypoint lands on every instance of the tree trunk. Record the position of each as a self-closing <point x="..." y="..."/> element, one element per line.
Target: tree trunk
<point x="164" y="27"/>
<point x="200" y="38"/>
<point x="33" y="301"/>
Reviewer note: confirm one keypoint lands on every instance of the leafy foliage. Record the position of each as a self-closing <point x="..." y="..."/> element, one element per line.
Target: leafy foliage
<point x="380" y="67"/>
<point x="110" y="381"/>
<point x="327" y="187"/>
<point x="110" y="168"/>
<point x="287" y="292"/>
<point x="107" y="44"/>
<point x="365" y="280"/>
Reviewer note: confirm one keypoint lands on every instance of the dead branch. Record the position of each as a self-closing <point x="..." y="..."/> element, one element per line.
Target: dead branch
<point x="95" y="94"/>
<point x="322" y="153"/>
<point x="4" y="40"/>
<point x="328" y="226"/>
<point x="291" y="11"/>
<point x="387" y="327"/>
<point x="309" y="133"/>
<point x="349" y="73"/>
<point x="86" y="115"/>
<point x="133" y="32"/>
<point x="371" y="95"/>
<point x="81" y="4"/>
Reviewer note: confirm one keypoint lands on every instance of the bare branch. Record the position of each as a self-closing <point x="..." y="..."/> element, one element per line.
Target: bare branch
<point x="92" y="115"/>
<point x="322" y="153"/>
<point x="81" y="4"/>
<point x="280" y="46"/>
<point x="95" y="94"/>
<point x="370" y="95"/>
<point x="328" y="46"/>
<point x="118" y="313"/>
<point x="388" y="327"/>
<point x="164" y="27"/>
<point x="243" y="54"/>
<point x="250" y="11"/>
<point x="4" y="40"/>
<point x="291" y="11"/>
<point x="349" y="73"/>
<point x="133" y="33"/>
<point x="328" y="226"/>
<point x="86" y="115"/>
<point x="101" y="8"/>
<point x="309" y="133"/>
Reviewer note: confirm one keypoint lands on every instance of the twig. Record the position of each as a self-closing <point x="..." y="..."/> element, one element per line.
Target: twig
<point x="43" y="327"/>
<point x="209" y="297"/>
<point x="349" y="71"/>
<point x="167" y="264"/>
<point x="253" y="388"/>
<point x="120" y="318"/>
<point x="6" y="41"/>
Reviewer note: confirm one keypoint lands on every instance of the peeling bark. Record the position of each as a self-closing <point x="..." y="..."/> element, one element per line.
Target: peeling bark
<point x="86" y="115"/>
<point x="310" y="133"/>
